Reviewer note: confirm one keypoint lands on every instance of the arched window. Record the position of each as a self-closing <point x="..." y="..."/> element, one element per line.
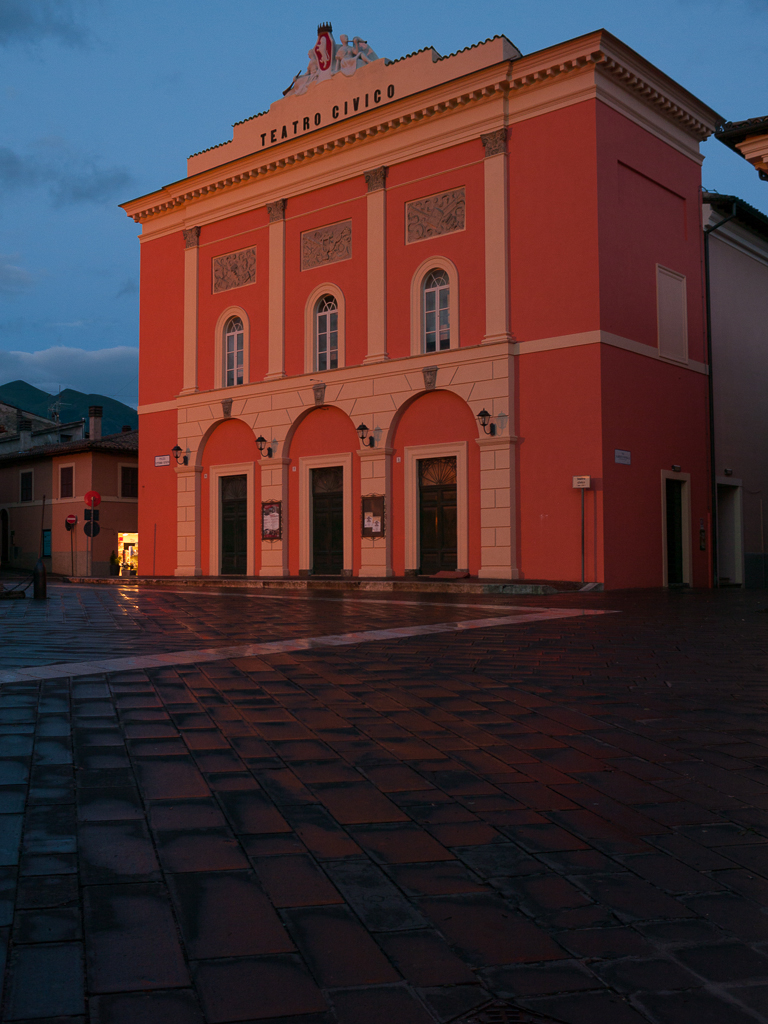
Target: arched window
<point x="326" y="333"/>
<point x="234" y="334"/>
<point x="436" y="312"/>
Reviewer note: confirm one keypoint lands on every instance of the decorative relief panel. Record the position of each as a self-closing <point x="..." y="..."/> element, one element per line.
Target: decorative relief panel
<point x="436" y="215"/>
<point x="234" y="270"/>
<point x="326" y="245"/>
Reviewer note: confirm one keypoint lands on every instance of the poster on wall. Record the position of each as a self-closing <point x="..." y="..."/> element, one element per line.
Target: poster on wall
<point x="271" y="520"/>
<point x="373" y="515"/>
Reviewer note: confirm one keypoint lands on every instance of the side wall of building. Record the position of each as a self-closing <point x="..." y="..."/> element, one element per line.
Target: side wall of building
<point x="739" y="301"/>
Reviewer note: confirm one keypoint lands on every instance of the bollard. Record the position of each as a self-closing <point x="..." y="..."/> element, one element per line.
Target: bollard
<point x="39" y="577"/>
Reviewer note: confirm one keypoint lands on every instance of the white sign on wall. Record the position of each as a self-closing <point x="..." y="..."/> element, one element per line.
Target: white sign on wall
<point x="623" y="457"/>
<point x="162" y="460"/>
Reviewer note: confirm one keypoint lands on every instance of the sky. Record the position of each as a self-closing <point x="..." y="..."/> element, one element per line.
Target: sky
<point x="103" y="100"/>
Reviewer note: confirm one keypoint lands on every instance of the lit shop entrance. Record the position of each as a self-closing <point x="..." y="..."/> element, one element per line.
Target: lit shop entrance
<point x="128" y="553"/>
<point x="328" y="521"/>
<point x="234" y="525"/>
<point x="437" y="515"/>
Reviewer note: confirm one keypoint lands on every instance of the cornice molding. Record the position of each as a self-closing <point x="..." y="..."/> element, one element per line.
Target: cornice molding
<point x="598" y="53"/>
<point x="173" y="196"/>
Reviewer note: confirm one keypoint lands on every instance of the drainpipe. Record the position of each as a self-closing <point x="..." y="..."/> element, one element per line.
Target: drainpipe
<point x="713" y="469"/>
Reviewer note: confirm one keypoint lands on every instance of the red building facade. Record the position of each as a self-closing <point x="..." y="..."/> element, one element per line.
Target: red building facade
<point x="409" y="246"/>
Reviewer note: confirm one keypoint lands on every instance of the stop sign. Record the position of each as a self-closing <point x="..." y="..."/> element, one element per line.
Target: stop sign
<point x="71" y="520"/>
<point x="92" y="499"/>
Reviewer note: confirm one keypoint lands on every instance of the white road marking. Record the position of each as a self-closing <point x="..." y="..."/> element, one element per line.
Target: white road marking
<point x="189" y="657"/>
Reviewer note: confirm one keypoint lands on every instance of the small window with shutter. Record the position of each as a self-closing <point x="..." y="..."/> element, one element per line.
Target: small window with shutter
<point x="67" y="482"/>
<point x="25" y="486"/>
<point x="129" y="481"/>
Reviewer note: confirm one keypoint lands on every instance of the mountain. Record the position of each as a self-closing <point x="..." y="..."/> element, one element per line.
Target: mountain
<point x="73" y="405"/>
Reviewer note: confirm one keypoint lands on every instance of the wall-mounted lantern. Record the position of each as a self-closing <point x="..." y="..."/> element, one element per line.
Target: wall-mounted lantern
<point x="485" y="419"/>
<point x="182" y="460"/>
<point x="363" y="432"/>
<point x="261" y="443"/>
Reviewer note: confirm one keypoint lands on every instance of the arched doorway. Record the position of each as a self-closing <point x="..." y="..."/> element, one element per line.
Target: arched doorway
<point x="230" y="492"/>
<point x="324" y="488"/>
<point x="435" y="486"/>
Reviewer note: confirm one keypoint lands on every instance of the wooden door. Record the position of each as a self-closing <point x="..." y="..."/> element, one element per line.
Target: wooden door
<point x="328" y="521"/>
<point x="437" y="515"/>
<point x="675" y="570"/>
<point x="234" y="525"/>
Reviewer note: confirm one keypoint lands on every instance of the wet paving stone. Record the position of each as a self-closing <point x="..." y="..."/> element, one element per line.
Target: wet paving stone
<point x="224" y="914"/>
<point x="45" y="980"/>
<point x="279" y="986"/>
<point x="131" y="939"/>
<point x="116" y="851"/>
<point x="173" y="1007"/>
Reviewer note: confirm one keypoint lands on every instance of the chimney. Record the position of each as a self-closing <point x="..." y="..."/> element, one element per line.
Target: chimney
<point x="25" y="435"/>
<point x="94" y="422"/>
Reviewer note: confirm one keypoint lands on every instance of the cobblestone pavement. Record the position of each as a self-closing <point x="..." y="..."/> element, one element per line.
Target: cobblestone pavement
<point x="571" y="815"/>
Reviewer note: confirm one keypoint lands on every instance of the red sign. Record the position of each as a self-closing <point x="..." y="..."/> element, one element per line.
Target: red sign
<point x="92" y="499"/>
<point x="71" y="520"/>
<point x="324" y="50"/>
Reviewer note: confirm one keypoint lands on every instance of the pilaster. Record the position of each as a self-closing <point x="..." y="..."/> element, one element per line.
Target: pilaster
<point x="191" y="285"/>
<point x="498" y="527"/>
<point x="274" y="487"/>
<point x="376" y="262"/>
<point x="496" y="237"/>
<point x="276" y="365"/>
<point x="188" y="562"/>
<point x="376" y="478"/>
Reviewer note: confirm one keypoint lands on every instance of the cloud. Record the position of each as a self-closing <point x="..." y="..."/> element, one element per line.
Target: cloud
<point x="13" y="278"/>
<point x="32" y="21"/>
<point x="69" y="177"/>
<point x="107" y="371"/>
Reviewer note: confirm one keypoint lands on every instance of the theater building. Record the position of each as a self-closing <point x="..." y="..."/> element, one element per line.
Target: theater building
<point x="388" y="324"/>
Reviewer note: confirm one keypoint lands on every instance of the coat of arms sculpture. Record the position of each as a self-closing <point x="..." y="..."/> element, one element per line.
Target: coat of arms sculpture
<point x="327" y="58"/>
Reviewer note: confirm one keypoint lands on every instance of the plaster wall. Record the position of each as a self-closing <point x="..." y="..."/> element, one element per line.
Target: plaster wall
<point x="739" y="300"/>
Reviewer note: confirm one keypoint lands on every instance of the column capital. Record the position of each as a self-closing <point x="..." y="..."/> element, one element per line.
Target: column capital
<point x="188" y="470"/>
<point x="276" y="211"/>
<point x="376" y="179"/>
<point x="191" y="238"/>
<point x="495" y="143"/>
